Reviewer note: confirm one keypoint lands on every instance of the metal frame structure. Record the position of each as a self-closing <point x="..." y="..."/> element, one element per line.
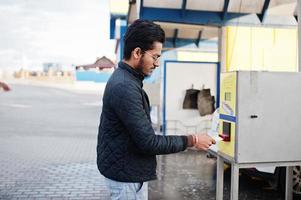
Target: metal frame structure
<point x="164" y="85"/>
<point x="234" y="192"/>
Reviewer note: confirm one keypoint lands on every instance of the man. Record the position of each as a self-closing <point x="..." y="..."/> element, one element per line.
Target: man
<point x="127" y="144"/>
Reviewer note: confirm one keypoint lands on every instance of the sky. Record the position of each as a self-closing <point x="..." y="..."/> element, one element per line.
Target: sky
<point x="69" y="32"/>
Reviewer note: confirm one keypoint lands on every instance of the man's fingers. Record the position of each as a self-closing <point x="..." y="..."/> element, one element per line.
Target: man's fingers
<point x="204" y="142"/>
<point x="212" y="141"/>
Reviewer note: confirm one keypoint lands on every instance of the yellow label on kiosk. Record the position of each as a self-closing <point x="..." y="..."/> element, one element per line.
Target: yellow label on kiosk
<point x="227" y="113"/>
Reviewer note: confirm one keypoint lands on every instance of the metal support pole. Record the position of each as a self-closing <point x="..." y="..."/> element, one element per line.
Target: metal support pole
<point x="234" y="181"/>
<point x="222" y="48"/>
<point x="219" y="178"/>
<point x="289" y="183"/>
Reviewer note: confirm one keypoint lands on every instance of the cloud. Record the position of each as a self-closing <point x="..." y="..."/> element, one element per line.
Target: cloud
<point x="69" y="31"/>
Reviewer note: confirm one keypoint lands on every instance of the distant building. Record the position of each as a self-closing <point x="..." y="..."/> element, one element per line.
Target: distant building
<point x="100" y="64"/>
<point x="56" y="67"/>
<point x="99" y="72"/>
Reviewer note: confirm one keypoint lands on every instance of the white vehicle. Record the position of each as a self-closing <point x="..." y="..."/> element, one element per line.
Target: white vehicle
<point x="276" y="177"/>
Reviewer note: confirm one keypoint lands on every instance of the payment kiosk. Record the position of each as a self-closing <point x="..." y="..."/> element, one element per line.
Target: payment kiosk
<point x="260" y="124"/>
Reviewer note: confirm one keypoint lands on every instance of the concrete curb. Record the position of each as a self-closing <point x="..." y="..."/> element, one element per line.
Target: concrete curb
<point x="86" y="87"/>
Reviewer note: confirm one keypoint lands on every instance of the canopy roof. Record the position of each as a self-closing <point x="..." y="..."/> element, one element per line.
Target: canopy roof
<point x="198" y="20"/>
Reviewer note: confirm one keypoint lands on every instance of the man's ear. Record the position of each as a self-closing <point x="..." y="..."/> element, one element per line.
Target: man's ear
<point x="137" y="53"/>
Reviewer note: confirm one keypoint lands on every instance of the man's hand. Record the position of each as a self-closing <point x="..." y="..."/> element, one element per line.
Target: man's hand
<point x="4" y="86"/>
<point x="203" y="141"/>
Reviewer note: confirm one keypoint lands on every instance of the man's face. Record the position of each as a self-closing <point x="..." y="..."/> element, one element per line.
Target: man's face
<point x="150" y="59"/>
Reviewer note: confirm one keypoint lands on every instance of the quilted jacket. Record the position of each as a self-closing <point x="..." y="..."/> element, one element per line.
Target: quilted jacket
<point x="127" y="144"/>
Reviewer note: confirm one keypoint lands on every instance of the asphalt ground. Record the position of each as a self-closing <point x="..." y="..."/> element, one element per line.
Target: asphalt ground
<point x="48" y="151"/>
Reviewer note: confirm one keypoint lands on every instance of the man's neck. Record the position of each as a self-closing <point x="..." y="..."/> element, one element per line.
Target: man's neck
<point x="129" y="63"/>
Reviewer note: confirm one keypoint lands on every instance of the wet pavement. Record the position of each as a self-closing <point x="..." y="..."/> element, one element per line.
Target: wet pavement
<point x="189" y="175"/>
<point x="48" y="151"/>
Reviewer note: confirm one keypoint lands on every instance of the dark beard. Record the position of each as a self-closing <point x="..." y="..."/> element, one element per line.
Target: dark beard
<point x="140" y="67"/>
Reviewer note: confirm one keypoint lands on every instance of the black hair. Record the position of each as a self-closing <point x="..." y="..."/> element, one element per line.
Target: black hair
<point x="142" y="34"/>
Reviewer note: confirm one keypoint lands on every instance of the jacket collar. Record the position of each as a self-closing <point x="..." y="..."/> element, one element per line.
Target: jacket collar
<point x="131" y="70"/>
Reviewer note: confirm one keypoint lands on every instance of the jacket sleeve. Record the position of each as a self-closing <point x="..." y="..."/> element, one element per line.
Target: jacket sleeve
<point x="126" y="101"/>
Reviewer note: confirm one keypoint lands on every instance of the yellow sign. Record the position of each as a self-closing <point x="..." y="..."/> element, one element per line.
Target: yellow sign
<point x="227" y="112"/>
<point x="228" y="94"/>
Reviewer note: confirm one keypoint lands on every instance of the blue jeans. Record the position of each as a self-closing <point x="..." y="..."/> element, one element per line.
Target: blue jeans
<point x="127" y="191"/>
